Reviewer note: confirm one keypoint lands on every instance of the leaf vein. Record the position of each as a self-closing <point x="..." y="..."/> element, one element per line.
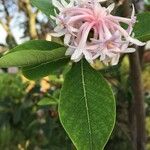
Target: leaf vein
<point x="86" y="104"/>
<point x="44" y="63"/>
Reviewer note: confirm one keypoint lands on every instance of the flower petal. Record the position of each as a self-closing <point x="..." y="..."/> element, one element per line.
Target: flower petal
<point x="115" y="60"/>
<point x="69" y="51"/>
<point x="64" y="3"/>
<point x="136" y="41"/>
<point x="129" y="50"/>
<point x="111" y="7"/>
<point x="67" y="39"/>
<point x="77" y="54"/>
<point x="57" y="4"/>
<point x="88" y="56"/>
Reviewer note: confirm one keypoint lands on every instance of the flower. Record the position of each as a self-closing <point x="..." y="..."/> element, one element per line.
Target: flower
<point x="90" y="30"/>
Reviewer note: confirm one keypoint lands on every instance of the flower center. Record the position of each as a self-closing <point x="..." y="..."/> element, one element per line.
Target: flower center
<point x="110" y="44"/>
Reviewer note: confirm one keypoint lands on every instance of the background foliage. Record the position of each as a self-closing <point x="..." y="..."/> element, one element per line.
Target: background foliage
<point x="29" y="113"/>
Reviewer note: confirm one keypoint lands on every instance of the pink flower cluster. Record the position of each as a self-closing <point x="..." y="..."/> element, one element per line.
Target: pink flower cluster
<point x="90" y="30"/>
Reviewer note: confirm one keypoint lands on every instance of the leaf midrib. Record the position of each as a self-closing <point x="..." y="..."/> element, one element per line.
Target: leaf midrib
<point x="34" y="50"/>
<point x="86" y="105"/>
<point x="44" y="52"/>
<point x="44" y="63"/>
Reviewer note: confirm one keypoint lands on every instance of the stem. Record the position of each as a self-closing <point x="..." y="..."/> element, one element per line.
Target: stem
<point x="132" y="123"/>
<point x="137" y="106"/>
<point x="138" y="99"/>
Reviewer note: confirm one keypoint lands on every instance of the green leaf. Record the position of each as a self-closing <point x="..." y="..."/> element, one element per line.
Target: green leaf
<point x="33" y="53"/>
<point x="44" y="69"/>
<point x="87" y="107"/>
<point x="48" y="101"/>
<point x="142" y="27"/>
<point x="44" y="5"/>
<point x="147" y="2"/>
<point x="37" y="45"/>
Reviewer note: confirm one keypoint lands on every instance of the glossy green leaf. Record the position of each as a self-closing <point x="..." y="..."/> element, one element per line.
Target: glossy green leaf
<point x="41" y="70"/>
<point x="87" y="107"/>
<point x="33" y="53"/>
<point x="44" y="5"/>
<point x="142" y="27"/>
<point x="48" y="101"/>
<point x="37" y="45"/>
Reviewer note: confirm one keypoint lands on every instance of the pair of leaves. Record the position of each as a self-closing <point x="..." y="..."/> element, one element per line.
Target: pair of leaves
<point x="37" y="58"/>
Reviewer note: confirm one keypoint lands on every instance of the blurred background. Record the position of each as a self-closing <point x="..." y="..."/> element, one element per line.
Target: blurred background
<point x="28" y="113"/>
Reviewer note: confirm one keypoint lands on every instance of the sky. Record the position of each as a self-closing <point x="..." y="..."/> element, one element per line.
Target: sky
<point x="15" y="31"/>
<point x="3" y="35"/>
<point x="18" y="18"/>
<point x="16" y="24"/>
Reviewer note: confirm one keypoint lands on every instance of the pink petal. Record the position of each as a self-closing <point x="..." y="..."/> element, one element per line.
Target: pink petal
<point x="111" y="7"/>
<point x="115" y="60"/>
